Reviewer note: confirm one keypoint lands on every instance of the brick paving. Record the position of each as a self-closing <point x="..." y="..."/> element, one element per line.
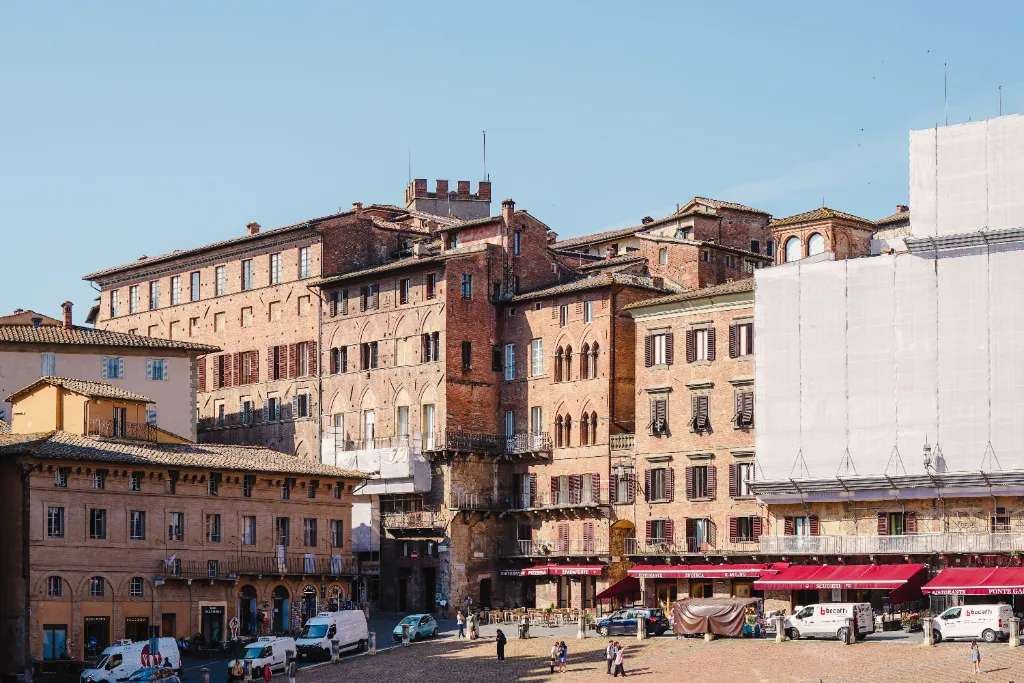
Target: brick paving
<point x="665" y="659"/>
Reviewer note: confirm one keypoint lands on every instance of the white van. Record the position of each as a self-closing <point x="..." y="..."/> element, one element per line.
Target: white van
<point x="123" y="658"/>
<point x="830" y="620"/>
<point x="275" y="651"/>
<point x="347" y="629"/>
<point x="987" y="622"/>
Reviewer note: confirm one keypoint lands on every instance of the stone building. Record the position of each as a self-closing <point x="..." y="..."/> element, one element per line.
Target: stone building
<point x="129" y="537"/>
<point x="819" y="231"/>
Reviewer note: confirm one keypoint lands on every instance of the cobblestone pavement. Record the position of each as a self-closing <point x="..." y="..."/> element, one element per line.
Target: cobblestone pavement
<point x="666" y="659"/>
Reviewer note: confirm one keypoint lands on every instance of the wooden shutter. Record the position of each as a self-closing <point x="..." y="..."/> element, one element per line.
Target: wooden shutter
<point x="883" y="524"/>
<point x="734" y="480"/>
<point x="670" y="484"/>
<point x="712" y="534"/>
<point x="695" y="413"/>
<point x="789" y="528"/>
<point x="254" y="367"/>
<point x="669" y="530"/>
<point x="563" y="537"/>
<point x="649" y="530"/>
<point x="293" y="360"/>
<point x="711" y="343"/>
<point x="201" y="366"/>
<point x="691" y="346"/>
<point x="648" y="475"/>
<point x="595" y="486"/>
<point x="669" y="348"/>
<point x="758" y="527"/>
<point x="270" y="363"/>
<point x="648" y="351"/>
<point x="588" y="537"/>
<point x="712" y="482"/>
<point x="734" y="341"/>
<point x="576" y="488"/>
<point x="334" y="303"/>
<point x="363" y="295"/>
<point x="311" y="357"/>
<point x="237" y="376"/>
<point x="533" y="490"/>
<point x="702" y="405"/>
<point x="733" y="529"/>
<point x="555" y="487"/>
<point x="613" y="488"/>
<point x="333" y="367"/>
<point x="815" y="525"/>
<point x="631" y="489"/>
<point x="689" y="483"/>
<point x="344" y="302"/>
<point x="910" y="522"/>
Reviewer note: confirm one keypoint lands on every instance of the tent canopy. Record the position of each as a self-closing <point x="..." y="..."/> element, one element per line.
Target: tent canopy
<point x="721" y="616"/>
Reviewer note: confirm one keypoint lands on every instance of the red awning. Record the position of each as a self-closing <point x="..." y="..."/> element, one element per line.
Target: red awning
<point x="702" y="571"/>
<point x="535" y="570"/>
<point x="556" y="570"/>
<point x="849" y="576"/>
<point x="977" y="581"/>
<point x="627" y="586"/>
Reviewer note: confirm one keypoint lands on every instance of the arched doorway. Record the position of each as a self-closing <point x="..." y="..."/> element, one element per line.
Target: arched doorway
<point x="279" y="622"/>
<point x="485" y="592"/>
<point x="308" y="603"/>
<point x="249" y="624"/>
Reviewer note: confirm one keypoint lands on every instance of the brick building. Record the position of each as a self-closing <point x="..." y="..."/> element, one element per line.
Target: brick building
<point x="821" y="230"/>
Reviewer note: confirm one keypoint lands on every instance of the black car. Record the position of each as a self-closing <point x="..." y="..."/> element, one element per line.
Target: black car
<point x="624" y="621"/>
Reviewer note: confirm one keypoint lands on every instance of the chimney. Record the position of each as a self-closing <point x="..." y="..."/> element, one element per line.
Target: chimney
<point x="357" y="209"/>
<point x="253" y="228"/>
<point x="19" y="310"/>
<point x="646" y="219"/>
<point x="67" y="314"/>
<point x="508" y="208"/>
<point x="902" y="208"/>
<point x="442" y="188"/>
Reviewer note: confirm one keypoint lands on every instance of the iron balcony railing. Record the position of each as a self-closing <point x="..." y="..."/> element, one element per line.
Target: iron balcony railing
<point x="136" y="431"/>
<point x="556" y="548"/>
<point x="476" y="501"/>
<point x="621" y="442"/>
<point x="670" y="546"/>
<point x="447" y="440"/>
<point x="416" y="519"/>
<point x="950" y="542"/>
<point x="255" y="564"/>
<point x="574" y="498"/>
<point x="522" y="444"/>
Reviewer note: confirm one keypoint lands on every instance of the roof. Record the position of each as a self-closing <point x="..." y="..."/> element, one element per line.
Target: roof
<point x="470" y="223"/>
<point x="819" y="214"/>
<point x="734" y="287"/>
<point x="90" y="336"/>
<point x="84" y="388"/>
<point x="583" y="284"/>
<point x="24" y="317"/>
<point x="898" y="217"/>
<point x="65" y="446"/>
<point x="383" y="268"/>
<point x="722" y="204"/>
<point x="601" y="236"/>
<point x="609" y="262"/>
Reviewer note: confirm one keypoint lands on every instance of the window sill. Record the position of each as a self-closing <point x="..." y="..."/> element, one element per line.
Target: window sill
<point x="703" y="499"/>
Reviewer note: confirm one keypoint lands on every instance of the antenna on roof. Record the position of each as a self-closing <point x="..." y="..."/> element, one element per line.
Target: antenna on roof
<point x="1000" y="100"/>
<point x="945" y="90"/>
<point x="486" y="177"/>
<point x="410" y="164"/>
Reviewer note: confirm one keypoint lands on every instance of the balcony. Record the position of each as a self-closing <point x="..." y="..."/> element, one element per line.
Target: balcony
<point x="573" y="547"/>
<point x="135" y="431"/>
<point x="910" y="544"/>
<point x="622" y="442"/>
<point x="670" y="546"/>
<point x="459" y="441"/>
<point x="527" y="444"/>
<point x="475" y="502"/>
<point x="254" y="564"/>
<point x="416" y="524"/>
<point x="563" y="501"/>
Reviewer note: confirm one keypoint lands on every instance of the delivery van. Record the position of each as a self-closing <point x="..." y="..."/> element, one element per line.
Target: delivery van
<point x="987" y="622"/>
<point x="831" y="620"/>
<point x="125" y="657"/>
<point x="273" y="651"/>
<point x="330" y="632"/>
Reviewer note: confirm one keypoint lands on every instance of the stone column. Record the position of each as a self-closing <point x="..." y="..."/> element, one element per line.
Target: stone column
<point x="1014" y="632"/>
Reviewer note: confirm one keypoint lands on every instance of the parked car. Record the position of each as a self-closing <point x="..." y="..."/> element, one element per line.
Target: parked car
<point x="624" y="621"/>
<point x="420" y="626"/>
<point x="988" y="622"/>
<point x="343" y="630"/>
<point x="831" y="620"/>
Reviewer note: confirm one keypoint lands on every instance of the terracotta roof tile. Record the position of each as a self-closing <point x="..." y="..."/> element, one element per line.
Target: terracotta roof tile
<point x="818" y="214"/>
<point x="88" y="336"/>
<point x="594" y="282"/>
<point x="610" y="262"/>
<point x="85" y="388"/>
<point x="722" y="204"/>
<point x="898" y="217"/>
<point x="734" y="287"/>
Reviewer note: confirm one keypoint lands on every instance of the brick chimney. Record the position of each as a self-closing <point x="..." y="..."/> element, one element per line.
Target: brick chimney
<point x="67" y="314"/>
<point x="253" y="228"/>
<point x="508" y="209"/>
<point x="902" y="208"/>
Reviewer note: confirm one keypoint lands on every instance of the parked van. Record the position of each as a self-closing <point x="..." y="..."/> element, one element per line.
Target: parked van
<point x="830" y="620"/>
<point x="346" y="629"/>
<point x="274" y="651"/>
<point x="987" y="622"/>
<point x="123" y="658"/>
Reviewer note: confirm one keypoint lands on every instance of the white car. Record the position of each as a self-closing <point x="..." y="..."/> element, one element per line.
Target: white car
<point x="831" y="620"/>
<point x="986" y="622"/>
<point x="272" y="651"/>
<point x="330" y="632"/>
<point x="125" y="657"/>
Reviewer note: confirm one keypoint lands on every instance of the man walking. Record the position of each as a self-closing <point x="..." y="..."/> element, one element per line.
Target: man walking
<point x="620" y="654"/>
<point x="460" y="619"/>
<point x="609" y="655"/>
<point x="500" y="640"/>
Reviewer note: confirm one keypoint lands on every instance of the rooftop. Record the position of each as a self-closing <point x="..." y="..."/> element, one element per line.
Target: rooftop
<point x="587" y="283"/>
<point x="64" y="446"/>
<point x="25" y="316"/>
<point x="734" y="287"/>
<point x="819" y="214"/>
<point x="898" y="217"/>
<point x="624" y="259"/>
<point x="84" y="388"/>
<point x="88" y="336"/>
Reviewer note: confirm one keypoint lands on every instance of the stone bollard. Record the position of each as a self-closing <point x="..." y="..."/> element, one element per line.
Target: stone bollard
<point x="851" y="636"/>
<point x="708" y="637"/>
<point x="293" y="667"/>
<point x="929" y="637"/>
<point x="405" y="634"/>
<point x="581" y="632"/>
<point x="373" y="643"/>
<point x="780" y="628"/>
<point x="204" y="673"/>
<point x="641" y="628"/>
<point x="1014" y="632"/>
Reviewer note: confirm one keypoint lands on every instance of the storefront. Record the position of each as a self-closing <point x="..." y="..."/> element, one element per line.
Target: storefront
<point x="885" y="586"/>
<point x="663" y="584"/>
<point x="557" y="585"/>
<point x="976" y="585"/>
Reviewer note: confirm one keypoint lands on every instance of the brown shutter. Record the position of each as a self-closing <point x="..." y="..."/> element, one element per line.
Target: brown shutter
<point x="669" y="530"/>
<point x="588" y="537"/>
<point x="734" y="341"/>
<point x="669" y="348"/>
<point x="631" y="489"/>
<point x="670" y="484"/>
<point x="648" y="351"/>
<point x="334" y="304"/>
<point x="911" y="522"/>
<point x="270" y="363"/>
<point x="689" y="483"/>
<point x="734" y="484"/>
<point x="712" y="534"/>
<point x="577" y="484"/>
<point x="311" y="360"/>
<point x="711" y="343"/>
<point x="814" y="524"/>
<point x="733" y="530"/>
<point x="649" y="530"/>
<point x="555" y="487"/>
<point x="201" y="365"/>
<point x="293" y="360"/>
<point x="691" y="346"/>
<point x="789" y="529"/>
<point x="237" y="377"/>
<point x="533" y="490"/>
<point x="702" y="404"/>
<point x="613" y="488"/>
<point x="758" y="527"/>
<point x="712" y="481"/>
<point x="333" y="367"/>
<point x="695" y="413"/>
<point x="647" y="484"/>
<point x="563" y="537"/>
<point x="883" y="524"/>
<point x="595" y="486"/>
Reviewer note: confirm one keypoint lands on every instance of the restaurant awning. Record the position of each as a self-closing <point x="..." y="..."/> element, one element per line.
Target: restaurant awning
<point x="627" y="586"/>
<point x="848" y="576"/>
<point x="977" y="581"/>
<point x="555" y="570"/>
<point x="702" y="571"/>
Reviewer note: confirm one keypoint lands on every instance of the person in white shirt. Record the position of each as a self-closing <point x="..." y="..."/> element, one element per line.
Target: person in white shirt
<point x="609" y="655"/>
<point x="619" y="668"/>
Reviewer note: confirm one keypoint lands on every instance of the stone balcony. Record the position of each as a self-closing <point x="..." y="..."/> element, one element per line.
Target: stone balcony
<point x="664" y="547"/>
<point x="230" y="567"/>
<point x="622" y="442"/>
<point x="909" y="544"/>
<point x="580" y="500"/>
<point x="416" y="524"/>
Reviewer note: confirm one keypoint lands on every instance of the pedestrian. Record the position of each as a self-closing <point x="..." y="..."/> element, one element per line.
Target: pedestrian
<point x="563" y="655"/>
<point x="609" y="655"/>
<point x="500" y="640"/>
<point x="555" y="650"/>
<point x="975" y="656"/>
<point x="620" y="655"/>
<point x="474" y="628"/>
<point x="267" y="674"/>
<point x="460" y="619"/>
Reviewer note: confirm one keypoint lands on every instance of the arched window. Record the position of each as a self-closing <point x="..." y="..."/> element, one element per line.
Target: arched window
<point x="592" y="372"/>
<point x="793" y="249"/>
<point x="585" y="361"/>
<point x="558" y="431"/>
<point x="593" y="429"/>
<point x="558" y="364"/>
<point x="815" y="244"/>
<point x="136" y="587"/>
<point x="97" y="587"/>
<point x="568" y="431"/>
<point x="585" y="430"/>
<point x="567" y="375"/>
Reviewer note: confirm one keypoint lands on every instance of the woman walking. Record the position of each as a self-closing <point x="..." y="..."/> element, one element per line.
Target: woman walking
<point x="500" y="640"/>
<point x="975" y="656"/>
<point x="563" y="655"/>
<point x="620" y="655"/>
<point x="555" y="651"/>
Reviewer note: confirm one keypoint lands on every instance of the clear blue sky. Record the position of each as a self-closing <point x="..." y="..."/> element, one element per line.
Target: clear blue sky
<point x="136" y="128"/>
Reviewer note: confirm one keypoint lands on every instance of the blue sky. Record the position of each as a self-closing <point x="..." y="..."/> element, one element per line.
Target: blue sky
<point x="137" y="128"/>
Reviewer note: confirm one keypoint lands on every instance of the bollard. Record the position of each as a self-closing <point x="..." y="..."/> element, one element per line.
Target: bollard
<point x="581" y="632"/>
<point x="929" y="637"/>
<point x="293" y="666"/>
<point x="204" y="673"/>
<point x="335" y="652"/>
<point x="373" y="642"/>
<point x="851" y="636"/>
<point x="641" y="628"/>
<point x="1014" y="632"/>
<point x="708" y="637"/>
<point x="780" y="628"/>
<point x="405" y="634"/>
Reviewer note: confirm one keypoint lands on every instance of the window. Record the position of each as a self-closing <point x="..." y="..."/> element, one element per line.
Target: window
<point x="195" y="279"/>
<point x="151" y="415"/>
<point x="193" y="326"/>
<point x="115" y="303"/>
<point x="135" y="481"/>
<point x="663" y="256"/>
<point x="536" y="420"/>
<point x="60" y="477"/>
<point x="212" y="568"/>
<point x="430" y="283"/>
<point x="303" y="262"/>
<point x="700" y="482"/>
<point x="213" y="484"/>
<point x="273" y="408"/>
<point x="815" y="244"/>
<point x="175" y="290"/>
<point x="792" y="249"/>
<point x="467" y="356"/>
<point x="302" y="350"/>
<point x="248" y="530"/>
<point x="112" y="368"/>
<point x="744" y="416"/>
<point x="99" y="480"/>
<point x="744" y="529"/>
<point x="337" y="533"/>
<point x="220" y="280"/>
<point x="97" y="587"/>
<point x="343" y="302"/>
<point x="622" y="485"/>
<point x="220" y="412"/>
<point x="801" y="526"/>
<point x="588" y="311"/>
<point x="368" y="355"/>
<point x="700" y="344"/>
<point x="248" y="482"/>
<point x="55" y="522"/>
<point x="246" y="274"/>
<point x="510" y="423"/>
<point x="286" y="488"/>
<point x="700" y="420"/>
<point x="742" y="475"/>
<point x="755" y="246"/>
<point x="467" y="286"/>
<point x="137" y="525"/>
<point x="97" y="524"/>
<point x="769" y="248"/>
<point x="337" y="489"/>
<point x="339" y="359"/>
<point x="275" y="269"/>
<point x="510" y="362"/>
<point x="403" y="291"/>
<point x="54" y="587"/>
<point x="301" y="405"/>
<point x="659" y="416"/>
<point x="281" y="528"/>
<point x="517" y="243"/>
<point x="563" y="315"/>
<point x="431" y="343"/>
<point x="1000" y="522"/>
<point x="309" y="532"/>
<point x="369" y="297"/>
<point x="154" y="295"/>
<point x="741" y="339"/>
<point x="133" y="299"/>
<point x="136" y="587"/>
<point x="213" y="528"/>
<point x="156" y="369"/>
<point x="48" y="364"/>
<point x="176" y="526"/>
<point x="658" y="531"/>
<point x="659" y="484"/>
<point x="536" y="357"/>
<point x="658" y="348"/>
